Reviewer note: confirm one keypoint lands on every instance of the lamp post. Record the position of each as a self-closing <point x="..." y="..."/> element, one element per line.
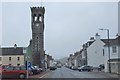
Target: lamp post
<point x="108" y="48"/>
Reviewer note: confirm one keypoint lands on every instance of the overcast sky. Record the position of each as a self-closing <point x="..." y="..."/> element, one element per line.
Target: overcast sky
<point x="67" y="25"/>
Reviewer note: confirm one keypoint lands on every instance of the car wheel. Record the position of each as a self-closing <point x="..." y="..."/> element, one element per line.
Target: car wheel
<point x="79" y="70"/>
<point x="31" y="73"/>
<point x="22" y="76"/>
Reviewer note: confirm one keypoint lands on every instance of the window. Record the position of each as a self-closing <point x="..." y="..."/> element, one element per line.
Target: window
<point x="103" y="52"/>
<point x="10" y="68"/>
<point x="9" y="58"/>
<point x="18" y="64"/>
<point x="40" y="19"/>
<point x="37" y="37"/>
<point x="35" y="18"/>
<point x="18" y="58"/>
<point x="16" y="68"/>
<point x="0" y="58"/>
<point x="114" y="49"/>
<point x="23" y="68"/>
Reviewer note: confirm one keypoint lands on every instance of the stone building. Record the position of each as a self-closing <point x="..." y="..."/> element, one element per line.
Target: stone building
<point x="114" y="56"/>
<point x="37" y="24"/>
<point x="12" y="56"/>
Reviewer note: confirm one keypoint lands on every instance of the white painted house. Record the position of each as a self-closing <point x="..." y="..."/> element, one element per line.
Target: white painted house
<point x="114" y="56"/>
<point x="95" y="52"/>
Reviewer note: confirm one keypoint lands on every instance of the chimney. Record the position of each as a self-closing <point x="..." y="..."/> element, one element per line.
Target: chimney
<point x="97" y="37"/>
<point x="92" y="39"/>
<point x="15" y="46"/>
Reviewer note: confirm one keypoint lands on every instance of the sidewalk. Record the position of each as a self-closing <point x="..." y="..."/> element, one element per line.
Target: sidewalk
<point x="39" y="75"/>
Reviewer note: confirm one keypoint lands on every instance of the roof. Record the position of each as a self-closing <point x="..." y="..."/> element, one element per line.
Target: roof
<point x="12" y="51"/>
<point x="115" y="41"/>
<point x="89" y="42"/>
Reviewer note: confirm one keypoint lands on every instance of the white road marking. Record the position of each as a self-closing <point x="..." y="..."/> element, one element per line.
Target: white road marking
<point x="43" y="75"/>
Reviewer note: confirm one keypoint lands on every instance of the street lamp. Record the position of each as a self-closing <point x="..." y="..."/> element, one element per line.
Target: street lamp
<point x="108" y="48"/>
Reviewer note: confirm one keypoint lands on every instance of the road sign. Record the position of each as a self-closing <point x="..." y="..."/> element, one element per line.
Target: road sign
<point x="29" y="64"/>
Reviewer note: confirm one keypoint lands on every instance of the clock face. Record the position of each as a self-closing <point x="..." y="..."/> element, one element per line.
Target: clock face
<point x="37" y="24"/>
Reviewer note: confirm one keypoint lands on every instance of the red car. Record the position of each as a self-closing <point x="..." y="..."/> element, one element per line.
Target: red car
<point x="14" y="72"/>
<point x="0" y="72"/>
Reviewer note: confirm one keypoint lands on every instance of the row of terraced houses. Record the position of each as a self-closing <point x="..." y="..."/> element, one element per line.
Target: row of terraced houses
<point x="95" y="53"/>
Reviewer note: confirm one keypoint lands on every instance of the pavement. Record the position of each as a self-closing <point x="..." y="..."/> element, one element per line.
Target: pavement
<point x="40" y="75"/>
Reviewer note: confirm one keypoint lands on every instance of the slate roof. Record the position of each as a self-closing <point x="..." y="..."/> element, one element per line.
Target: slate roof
<point x="115" y="41"/>
<point x="112" y="41"/>
<point x="12" y="51"/>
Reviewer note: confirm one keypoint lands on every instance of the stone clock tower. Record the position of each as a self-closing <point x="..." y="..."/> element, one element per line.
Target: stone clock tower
<point x="37" y="24"/>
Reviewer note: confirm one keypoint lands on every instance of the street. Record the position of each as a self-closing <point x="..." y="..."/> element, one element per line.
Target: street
<point x="68" y="73"/>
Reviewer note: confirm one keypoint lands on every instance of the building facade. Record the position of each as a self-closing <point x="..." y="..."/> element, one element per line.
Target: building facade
<point x="12" y="56"/>
<point x="95" y="55"/>
<point x="114" y="56"/>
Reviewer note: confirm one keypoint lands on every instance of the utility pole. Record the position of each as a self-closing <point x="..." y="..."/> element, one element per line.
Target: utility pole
<point x="108" y="42"/>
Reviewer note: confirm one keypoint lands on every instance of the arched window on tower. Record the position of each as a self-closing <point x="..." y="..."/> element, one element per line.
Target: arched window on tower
<point x="35" y="17"/>
<point x="40" y="18"/>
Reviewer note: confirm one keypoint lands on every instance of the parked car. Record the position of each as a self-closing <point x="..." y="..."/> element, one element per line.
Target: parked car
<point x="59" y="65"/>
<point x="74" y="68"/>
<point x="85" y="68"/>
<point x="14" y="72"/>
<point x="33" y="70"/>
<point x="97" y="68"/>
<point x="39" y="69"/>
<point x="70" y="67"/>
<point x="0" y="72"/>
<point x="53" y="67"/>
<point x="6" y="66"/>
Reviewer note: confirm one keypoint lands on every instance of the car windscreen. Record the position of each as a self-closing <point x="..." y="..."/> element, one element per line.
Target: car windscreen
<point x="16" y="68"/>
<point x="23" y="68"/>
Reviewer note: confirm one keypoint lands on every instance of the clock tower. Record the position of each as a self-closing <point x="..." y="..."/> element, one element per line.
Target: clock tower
<point x="37" y="25"/>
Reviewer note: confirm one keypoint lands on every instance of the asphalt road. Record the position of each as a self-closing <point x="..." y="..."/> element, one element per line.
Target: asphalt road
<point x="68" y="73"/>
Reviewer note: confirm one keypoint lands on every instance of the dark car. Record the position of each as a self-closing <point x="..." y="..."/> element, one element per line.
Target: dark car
<point x="33" y="70"/>
<point x="14" y="72"/>
<point x="59" y="65"/>
<point x="85" y="68"/>
<point x="39" y="69"/>
<point x="53" y="67"/>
